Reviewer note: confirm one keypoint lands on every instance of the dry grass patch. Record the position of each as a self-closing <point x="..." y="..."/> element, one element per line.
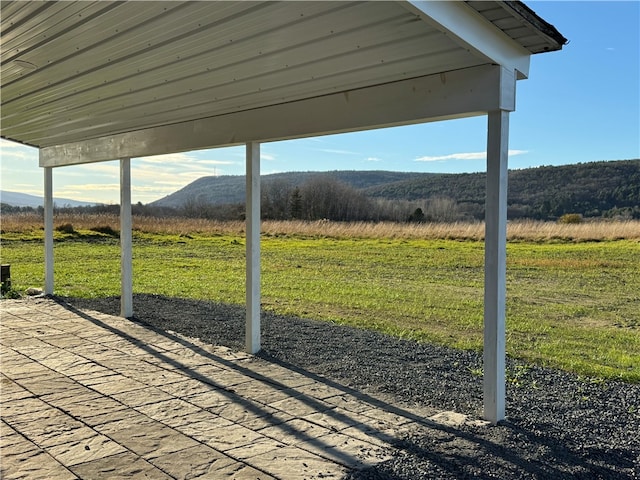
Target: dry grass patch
<point x="537" y="231"/>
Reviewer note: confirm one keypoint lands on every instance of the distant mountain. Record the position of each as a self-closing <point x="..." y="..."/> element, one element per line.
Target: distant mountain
<point x="231" y="188"/>
<point x="17" y="199"/>
<point x="593" y="189"/>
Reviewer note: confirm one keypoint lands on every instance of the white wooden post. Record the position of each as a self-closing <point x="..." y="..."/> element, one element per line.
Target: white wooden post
<point x="48" y="231"/>
<point x="126" y="248"/>
<point x="495" y="266"/>
<point x="253" y="248"/>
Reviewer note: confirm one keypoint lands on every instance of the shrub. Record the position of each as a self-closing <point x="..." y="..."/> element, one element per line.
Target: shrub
<point x="106" y="229"/>
<point x="7" y="291"/>
<point x="570" y="218"/>
<point x="65" y="228"/>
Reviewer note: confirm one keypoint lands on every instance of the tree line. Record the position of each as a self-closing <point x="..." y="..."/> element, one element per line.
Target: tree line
<point x="594" y="189"/>
<point x="324" y="197"/>
<point x="597" y="189"/>
<point x="317" y="198"/>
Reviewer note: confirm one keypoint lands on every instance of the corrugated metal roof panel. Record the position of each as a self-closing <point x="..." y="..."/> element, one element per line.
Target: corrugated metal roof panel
<point x="78" y="70"/>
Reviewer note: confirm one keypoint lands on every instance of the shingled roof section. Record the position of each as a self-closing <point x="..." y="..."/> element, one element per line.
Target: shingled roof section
<point x="522" y="24"/>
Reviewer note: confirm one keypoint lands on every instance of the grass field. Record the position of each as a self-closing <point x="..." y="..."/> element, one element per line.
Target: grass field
<point x="573" y="302"/>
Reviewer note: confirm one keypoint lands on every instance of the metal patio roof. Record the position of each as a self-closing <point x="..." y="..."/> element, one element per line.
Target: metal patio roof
<point x="93" y="81"/>
<point x="75" y="71"/>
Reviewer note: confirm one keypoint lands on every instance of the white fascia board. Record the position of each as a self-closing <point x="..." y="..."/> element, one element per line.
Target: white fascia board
<point x="473" y="32"/>
<point x="460" y="93"/>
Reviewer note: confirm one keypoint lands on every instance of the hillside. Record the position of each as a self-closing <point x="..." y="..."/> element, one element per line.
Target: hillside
<point x="592" y="189"/>
<point x="17" y="199"/>
<point x="587" y="188"/>
<point x="231" y="188"/>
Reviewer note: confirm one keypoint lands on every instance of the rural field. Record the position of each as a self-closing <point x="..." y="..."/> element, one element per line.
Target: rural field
<point x="573" y="290"/>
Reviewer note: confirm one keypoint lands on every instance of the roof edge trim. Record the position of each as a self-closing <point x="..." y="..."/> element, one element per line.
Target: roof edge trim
<point x="546" y="29"/>
<point x="474" y="32"/>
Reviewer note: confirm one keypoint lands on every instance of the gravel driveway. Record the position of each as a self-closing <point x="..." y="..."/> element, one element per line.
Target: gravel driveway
<point x="559" y="425"/>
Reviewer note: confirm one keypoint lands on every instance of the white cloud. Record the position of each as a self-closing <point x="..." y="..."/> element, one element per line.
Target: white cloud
<point x="10" y="149"/>
<point x="91" y="187"/>
<point x="176" y="164"/>
<point x="373" y="159"/>
<point x="339" y="152"/>
<point x="216" y="162"/>
<point x="168" y="158"/>
<point x="267" y="156"/>
<point x="464" y="156"/>
<point x="17" y="154"/>
<point x="151" y="189"/>
<point x="109" y="169"/>
<point x="9" y="144"/>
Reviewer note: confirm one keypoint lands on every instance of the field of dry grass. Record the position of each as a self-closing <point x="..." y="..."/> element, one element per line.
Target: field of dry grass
<point x="517" y="230"/>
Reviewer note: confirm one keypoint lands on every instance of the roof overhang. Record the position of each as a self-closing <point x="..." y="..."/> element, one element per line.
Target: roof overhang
<point x="471" y="31"/>
<point x="90" y="81"/>
<point x="460" y="93"/>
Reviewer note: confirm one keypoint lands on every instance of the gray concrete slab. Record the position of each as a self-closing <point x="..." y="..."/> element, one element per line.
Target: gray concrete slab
<point x="88" y="395"/>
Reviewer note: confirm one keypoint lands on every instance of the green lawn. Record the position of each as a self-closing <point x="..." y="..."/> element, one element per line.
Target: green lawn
<point x="570" y="305"/>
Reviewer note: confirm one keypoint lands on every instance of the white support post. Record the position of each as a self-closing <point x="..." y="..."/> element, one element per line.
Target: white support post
<point x="126" y="248"/>
<point x="495" y="266"/>
<point x="48" y="231"/>
<point x="253" y="248"/>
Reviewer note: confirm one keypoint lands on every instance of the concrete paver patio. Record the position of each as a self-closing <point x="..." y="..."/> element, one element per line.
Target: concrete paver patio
<point x="88" y="395"/>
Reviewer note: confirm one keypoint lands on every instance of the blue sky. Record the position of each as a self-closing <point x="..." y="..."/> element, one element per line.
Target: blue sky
<point x="581" y="104"/>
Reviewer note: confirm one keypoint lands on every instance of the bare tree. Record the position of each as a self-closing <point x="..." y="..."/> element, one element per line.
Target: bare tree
<point x="275" y="199"/>
<point x="326" y="197"/>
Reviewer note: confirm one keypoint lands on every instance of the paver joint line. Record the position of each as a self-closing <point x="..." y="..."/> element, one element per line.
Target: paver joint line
<point x="91" y="395"/>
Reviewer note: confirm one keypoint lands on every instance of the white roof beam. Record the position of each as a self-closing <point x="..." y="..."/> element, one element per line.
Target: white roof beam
<point x="460" y="93"/>
<point x="473" y="32"/>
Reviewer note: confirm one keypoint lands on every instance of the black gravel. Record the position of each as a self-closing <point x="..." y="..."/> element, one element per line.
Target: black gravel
<point x="559" y="425"/>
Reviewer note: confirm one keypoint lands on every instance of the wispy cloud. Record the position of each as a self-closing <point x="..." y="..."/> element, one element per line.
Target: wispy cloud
<point x="151" y="177"/>
<point x="90" y="187"/>
<point x="181" y="160"/>
<point x="154" y="190"/>
<point x="373" y="159"/>
<point x="168" y="158"/>
<point x="90" y="192"/>
<point x="464" y="156"/>
<point x="267" y="156"/>
<point x="98" y="192"/>
<point x="110" y="169"/>
<point x="216" y="162"/>
<point x="337" y="151"/>
<point x="15" y="150"/>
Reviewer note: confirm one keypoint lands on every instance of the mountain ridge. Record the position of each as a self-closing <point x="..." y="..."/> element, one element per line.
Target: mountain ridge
<point x="19" y="199"/>
<point x="225" y="189"/>
<point x="544" y="192"/>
